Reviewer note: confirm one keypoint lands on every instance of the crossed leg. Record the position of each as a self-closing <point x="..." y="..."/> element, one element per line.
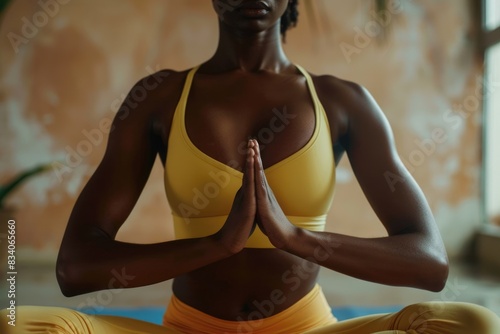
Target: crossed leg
<point x="422" y="318"/>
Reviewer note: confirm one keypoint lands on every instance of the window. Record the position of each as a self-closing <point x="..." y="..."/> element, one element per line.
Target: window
<point x="492" y="133"/>
<point x="491" y="176"/>
<point x="491" y="14"/>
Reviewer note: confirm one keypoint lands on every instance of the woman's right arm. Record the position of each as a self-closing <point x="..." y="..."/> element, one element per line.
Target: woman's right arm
<point x="89" y="257"/>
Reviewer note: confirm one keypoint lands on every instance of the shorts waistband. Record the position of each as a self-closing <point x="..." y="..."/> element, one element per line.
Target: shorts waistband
<point x="309" y="312"/>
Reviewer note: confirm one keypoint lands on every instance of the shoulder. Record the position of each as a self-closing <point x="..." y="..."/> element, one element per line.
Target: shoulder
<point x="345" y="103"/>
<point x="350" y="108"/>
<point x="347" y="95"/>
<point x="158" y="86"/>
<point x="353" y="100"/>
<point x="151" y="97"/>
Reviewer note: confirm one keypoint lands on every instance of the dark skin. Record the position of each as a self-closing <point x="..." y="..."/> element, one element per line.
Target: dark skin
<point x="248" y="76"/>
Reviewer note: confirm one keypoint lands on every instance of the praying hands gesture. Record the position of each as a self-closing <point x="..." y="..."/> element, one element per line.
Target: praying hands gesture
<point x="269" y="215"/>
<point x="255" y="204"/>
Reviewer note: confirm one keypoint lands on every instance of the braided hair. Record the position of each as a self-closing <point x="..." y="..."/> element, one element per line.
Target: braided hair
<point x="290" y="17"/>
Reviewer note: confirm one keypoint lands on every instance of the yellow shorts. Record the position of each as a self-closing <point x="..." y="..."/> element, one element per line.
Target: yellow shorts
<point x="312" y="311"/>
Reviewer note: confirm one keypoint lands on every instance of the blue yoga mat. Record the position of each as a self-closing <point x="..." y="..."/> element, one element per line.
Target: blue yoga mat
<point x="155" y="314"/>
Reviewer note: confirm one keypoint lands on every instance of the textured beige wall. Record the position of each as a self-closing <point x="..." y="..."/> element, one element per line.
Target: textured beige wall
<point x="64" y="78"/>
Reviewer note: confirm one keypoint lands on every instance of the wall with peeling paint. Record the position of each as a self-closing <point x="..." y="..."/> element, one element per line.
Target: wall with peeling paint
<point x="65" y="68"/>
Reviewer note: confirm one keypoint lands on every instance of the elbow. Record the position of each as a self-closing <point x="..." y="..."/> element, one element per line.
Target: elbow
<point x="436" y="278"/>
<point x="440" y="279"/>
<point x="65" y="279"/>
<point x="74" y="267"/>
<point x="68" y="274"/>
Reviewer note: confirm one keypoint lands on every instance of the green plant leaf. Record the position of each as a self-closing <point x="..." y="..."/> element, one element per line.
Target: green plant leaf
<point x="3" y="5"/>
<point x="18" y="179"/>
<point x="381" y="5"/>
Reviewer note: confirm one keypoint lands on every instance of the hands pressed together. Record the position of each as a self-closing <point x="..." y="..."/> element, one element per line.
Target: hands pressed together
<point x="255" y="204"/>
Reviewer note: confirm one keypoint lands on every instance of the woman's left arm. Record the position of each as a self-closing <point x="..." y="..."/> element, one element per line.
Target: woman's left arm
<point x="412" y="254"/>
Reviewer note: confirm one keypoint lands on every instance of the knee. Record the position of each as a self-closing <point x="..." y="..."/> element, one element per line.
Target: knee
<point x="43" y="319"/>
<point x="8" y="313"/>
<point x="479" y="319"/>
<point x="450" y="317"/>
<point x="8" y="320"/>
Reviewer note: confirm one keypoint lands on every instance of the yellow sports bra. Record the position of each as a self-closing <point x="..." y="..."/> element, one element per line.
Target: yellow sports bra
<point x="200" y="189"/>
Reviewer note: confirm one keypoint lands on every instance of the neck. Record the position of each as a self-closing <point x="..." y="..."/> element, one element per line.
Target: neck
<point x="250" y="52"/>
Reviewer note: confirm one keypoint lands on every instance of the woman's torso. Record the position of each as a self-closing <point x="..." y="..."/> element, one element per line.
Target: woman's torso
<point x="222" y="112"/>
